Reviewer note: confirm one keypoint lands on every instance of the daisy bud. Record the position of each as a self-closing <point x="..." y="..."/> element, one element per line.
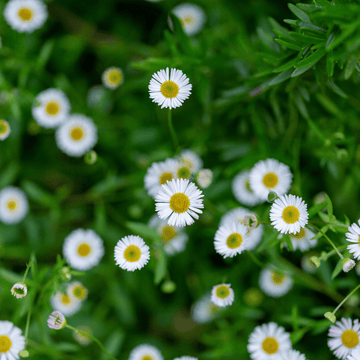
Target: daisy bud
<point x="56" y="320"/>
<point x="330" y="316"/>
<point x="24" y="354"/>
<point x="91" y="157"/>
<point x="168" y="287"/>
<point x="353" y="300"/>
<point x="19" y="290"/>
<point x="272" y="196"/>
<point x="316" y="261"/>
<point x="251" y="221"/>
<point x="204" y="178"/>
<point x="4" y="129"/>
<point x="65" y="273"/>
<point x="348" y="264"/>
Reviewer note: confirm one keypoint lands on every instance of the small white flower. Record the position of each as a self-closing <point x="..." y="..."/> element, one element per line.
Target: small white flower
<point x="77" y="291"/>
<point x="239" y="214"/>
<point x="355" y="355"/>
<point x="289" y="214"/>
<point x="344" y="337"/>
<point x="112" y="77"/>
<point x="292" y="355"/>
<point x="183" y="171"/>
<point x="242" y="191"/>
<point x="204" y="310"/>
<point x="186" y="358"/>
<point x="222" y="295"/>
<point x="4" y="129"/>
<point x="65" y="304"/>
<point x="307" y="265"/>
<point x="180" y="201"/>
<point x="169" y="90"/>
<point x="83" y="338"/>
<point x="270" y="175"/>
<point x="56" y="320"/>
<point x="25" y="15"/>
<point x="302" y="240"/>
<point x="83" y="249"/>
<point x="204" y="178"/>
<point x="13" y="205"/>
<point x="51" y="108"/>
<point x="348" y="264"/>
<point x="158" y="174"/>
<point x="11" y="341"/>
<point x="145" y="352"/>
<point x="353" y="236"/>
<point x="191" y="16"/>
<point x="173" y="238"/>
<point x="274" y="283"/>
<point x="268" y="341"/>
<point x="19" y="290"/>
<point x="231" y="239"/>
<point x="131" y="253"/>
<point x="192" y="159"/>
<point x="77" y="135"/>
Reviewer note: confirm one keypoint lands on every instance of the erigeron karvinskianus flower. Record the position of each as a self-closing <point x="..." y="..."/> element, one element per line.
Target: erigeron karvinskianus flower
<point x="131" y="253"/>
<point x="65" y="304"/>
<point x="274" y="283"/>
<point x="270" y="175"/>
<point x="192" y="159"/>
<point x="83" y="337"/>
<point x="169" y="89"/>
<point x="204" y="310"/>
<point x="51" y="108"/>
<point x="348" y="264"/>
<point x="112" y="77"/>
<point x="25" y="15"/>
<point x="13" y="205"/>
<point x="191" y="16"/>
<point x="292" y="355"/>
<point x="344" y="337"/>
<point x="289" y="214"/>
<point x="179" y="201"/>
<point x="242" y="191"/>
<point x="222" y="295"/>
<point x="11" y="341"/>
<point x="19" y="290"/>
<point x="204" y="178"/>
<point x="268" y="341"/>
<point x="77" y="291"/>
<point x="56" y="320"/>
<point x="302" y="240"/>
<point x="4" y="129"/>
<point x="307" y="265"/>
<point x="353" y="236"/>
<point x="145" y="352"/>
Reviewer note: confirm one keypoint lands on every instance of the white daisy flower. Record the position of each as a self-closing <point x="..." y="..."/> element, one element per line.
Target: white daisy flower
<point x="242" y="191"/>
<point x="145" y="352"/>
<point x="83" y="338"/>
<point x="292" y="355"/>
<point x="191" y="16"/>
<point x="231" y="239"/>
<point x="307" y="265"/>
<point x="19" y="290"/>
<point x="204" y="310"/>
<point x="169" y="90"/>
<point x="183" y="171"/>
<point x="348" y="264"/>
<point x="11" y="341"/>
<point x="83" y="249"/>
<point x="186" y="358"/>
<point x="13" y="205"/>
<point x="56" y="320"/>
<point x="131" y="253"/>
<point x="222" y="295"/>
<point x="65" y="304"/>
<point x="268" y="341"/>
<point x="353" y="236"/>
<point x="355" y="355"/>
<point x="302" y="240"/>
<point x="112" y="77"/>
<point x="51" y="108"/>
<point x="344" y="337"/>
<point x="239" y="214"/>
<point x="270" y="175"/>
<point x="4" y="129"/>
<point x="77" y="291"/>
<point x="158" y="174"/>
<point x="77" y="135"/>
<point x="25" y="15"/>
<point x="274" y="283"/>
<point x="177" y="200"/>
<point x="173" y="238"/>
<point x="288" y="214"/>
<point x="192" y="159"/>
<point x="204" y="178"/>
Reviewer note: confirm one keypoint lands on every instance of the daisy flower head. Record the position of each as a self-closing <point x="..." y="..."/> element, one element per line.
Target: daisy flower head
<point x="268" y="341"/>
<point x="288" y="214"/>
<point x="13" y="205"/>
<point x="270" y="175"/>
<point x="204" y="178"/>
<point x="222" y="295"/>
<point x="4" y="129"/>
<point x="112" y="77"/>
<point x="274" y="283"/>
<point x="191" y="16"/>
<point x="353" y="236"/>
<point x="344" y="337"/>
<point x="65" y="304"/>
<point x="183" y="171"/>
<point x="77" y="135"/>
<point x="348" y="264"/>
<point x="19" y="290"/>
<point x="204" y="310"/>
<point x="173" y="238"/>
<point x="131" y="253"/>
<point x="242" y="191"/>
<point x="307" y="265"/>
<point x="25" y="15"/>
<point x="83" y="249"/>
<point x="145" y="352"/>
<point x="11" y="341"/>
<point x="179" y="200"/>
<point x="169" y="89"/>
<point x="77" y="291"/>
<point x="355" y="355"/>
<point x="83" y="337"/>
<point x="56" y="320"/>
<point x="192" y="159"/>
<point x="230" y="239"/>
<point x="158" y="174"/>
<point x="302" y="240"/>
<point x="292" y="355"/>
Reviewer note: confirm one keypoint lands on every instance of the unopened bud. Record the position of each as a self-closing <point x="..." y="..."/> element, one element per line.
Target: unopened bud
<point x="316" y="261"/>
<point x="348" y="264"/>
<point x="272" y="196"/>
<point x="168" y="287"/>
<point x="204" y="178"/>
<point x="251" y="221"/>
<point x="56" y="320"/>
<point x="65" y="273"/>
<point x="24" y="353"/>
<point x="91" y="157"/>
<point x="330" y="316"/>
<point x="19" y="290"/>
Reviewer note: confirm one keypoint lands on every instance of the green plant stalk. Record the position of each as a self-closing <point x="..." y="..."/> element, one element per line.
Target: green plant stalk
<point x="332" y="252"/>
<point x="28" y="319"/>
<point x="172" y="131"/>
<point x="26" y="271"/>
<point x="339" y="306"/>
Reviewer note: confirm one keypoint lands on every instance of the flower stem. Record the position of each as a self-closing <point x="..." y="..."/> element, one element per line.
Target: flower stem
<point x="28" y="318"/>
<point x="26" y="271"/>
<point x="339" y="306"/>
<point x="172" y="131"/>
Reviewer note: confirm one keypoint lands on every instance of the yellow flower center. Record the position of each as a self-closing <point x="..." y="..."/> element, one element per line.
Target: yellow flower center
<point x="84" y="249"/>
<point x="183" y="172"/>
<point x="290" y="214"/>
<point x="299" y="235"/>
<point x="168" y="233"/>
<point x="222" y="292"/>
<point x="277" y="277"/>
<point x="270" y="345"/>
<point x="187" y="19"/>
<point x="79" y="292"/>
<point x="270" y="180"/>
<point x="5" y="344"/>
<point x="350" y="338"/>
<point x="169" y="89"/>
<point x="25" y="14"/>
<point x="179" y="203"/>
<point x="147" y="357"/>
<point x="65" y="299"/>
<point x="12" y="205"/>
<point x="3" y="127"/>
<point x="165" y="177"/>
<point x="213" y="308"/>
<point x="234" y="240"/>
<point x="115" y="77"/>
<point x="52" y="108"/>
<point x="76" y="133"/>
<point x="132" y="253"/>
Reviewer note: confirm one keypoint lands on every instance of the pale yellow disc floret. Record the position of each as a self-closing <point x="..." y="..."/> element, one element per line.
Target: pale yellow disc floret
<point x="270" y="180"/>
<point x="277" y="277"/>
<point x="165" y="177"/>
<point x="25" y="14"/>
<point x="52" y="108"/>
<point x="5" y="344"/>
<point x="270" y="345"/>
<point x="179" y="203"/>
<point x="76" y="133"/>
<point x="299" y="235"/>
<point x="234" y="240"/>
<point x="3" y="127"/>
<point x="290" y="214"/>
<point x="169" y="89"/>
<point x="350" y="338"/>
<point x="84" y="250"/>
<point x="12" y="205"/>
<point x="132" y="253"/>
<point x="168" y="233"/>
<point x="222" y="292"/>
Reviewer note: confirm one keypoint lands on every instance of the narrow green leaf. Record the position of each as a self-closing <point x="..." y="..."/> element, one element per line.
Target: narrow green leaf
<point x="280" y="78"/>
<point x="288" y="45"/>
<point x="160" y="268"/>
<point x="302" y="15"/>
<point x="297" y="335"/>
<point x="38" y="194"/>
<point x="171" y="43"/>
<point x="337" y="270"/>
<point x="349" y="68"/>
<point x="287" y="65"/>
<point x="316" y="209"/>
<point x="45" y="54"/>
<point x="330" y="63"/>
<point x="310" y="8"/>
<point x="334" y="40"/>
<point x="312" y="59"/>
<point x="113" y="343"/>
<point x="142" y="230"/>
<point x="278" y="29"/>
<point x="336" y="89"/>
<point x="306" y="39"/>
<point x="9" y="175"/>
<point x="298" y="72"/>
<point x="329" y="206"/>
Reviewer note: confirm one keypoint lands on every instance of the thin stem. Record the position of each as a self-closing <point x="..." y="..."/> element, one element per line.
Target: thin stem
<point x="26" y="271"/>
<point x="28" y="319"/>
<point x="332" y="252"/>
<point x="172" y="131"/>
<point x="339" y="306"/>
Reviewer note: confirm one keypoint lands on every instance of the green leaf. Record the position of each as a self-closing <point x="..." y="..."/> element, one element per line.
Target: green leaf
<point x="278" y="29"/>
<point x="45" y="54"/>
<point x="307" y="39"/>
<point x="171" y="43"/>
<point x="322" y="231"/>
<point x="160" y="268"/>
<point x="312" y="59"/>
<point x="336" y="89"/>
<point x="38" y="194"/>
<point x="142" y="230"/>
<point x="335" y="40"/>
<point x="330" y="63"/>
<point x="288" y="242"/>
<point x="299" y="13"/>
<point x="329" y="206"/>
<point x="10" y="276"/>
<point x="113" y="343"/>
<point x="316" y="209"/>
<point x="310" y="8"/>
<point x="288" y="44"/>
<point x="349" y="68"/>
<point x="337" y="270"/>
<point x="287" y="65"/>
<point x="280" y="78"/>
<point x="298" y="72"/>
<point x="297" y="335"/>
<point x="9" y="174"/>
<point x="184" y="40"/>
